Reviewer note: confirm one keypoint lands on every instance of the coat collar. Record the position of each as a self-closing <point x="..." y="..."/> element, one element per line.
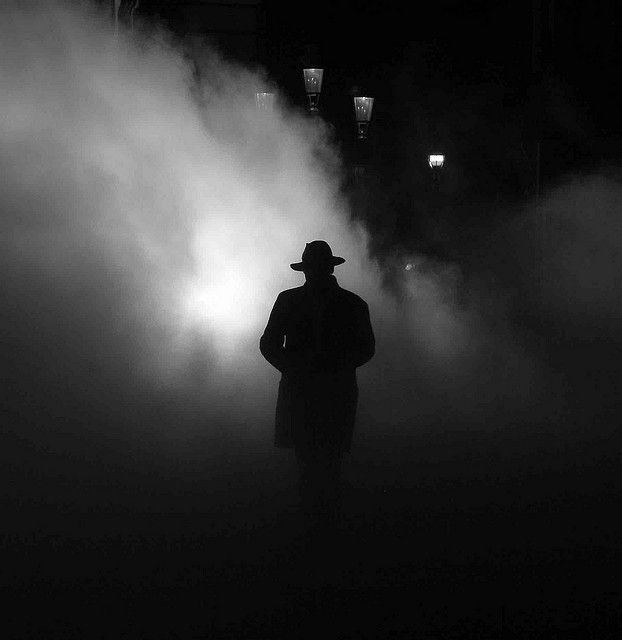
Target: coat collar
<point x="326" y="286"/>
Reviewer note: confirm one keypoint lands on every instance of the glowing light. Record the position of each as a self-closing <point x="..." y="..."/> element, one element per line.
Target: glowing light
<point x="225" y="304"/>
<point x="313" y="80"/>
<point x="363" y="106"/>
<point x="313" y="86"/>
<point x="436" y="160"/>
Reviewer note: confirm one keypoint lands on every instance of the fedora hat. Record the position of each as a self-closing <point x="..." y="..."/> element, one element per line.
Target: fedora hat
<point x="317" y="253"/>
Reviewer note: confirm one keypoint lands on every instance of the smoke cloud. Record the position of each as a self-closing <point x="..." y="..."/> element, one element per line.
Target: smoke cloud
<point x="149" y="216"/>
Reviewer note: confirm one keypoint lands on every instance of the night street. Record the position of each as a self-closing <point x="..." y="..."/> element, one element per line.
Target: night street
<point x="515" y="545"/>
<point x="310" y="320"/>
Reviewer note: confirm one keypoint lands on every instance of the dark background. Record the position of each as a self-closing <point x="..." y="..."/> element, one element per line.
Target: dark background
<point x="502" y="529"/>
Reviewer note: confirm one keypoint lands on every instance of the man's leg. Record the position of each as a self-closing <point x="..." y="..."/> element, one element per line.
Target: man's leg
<point x="308" y="489"/>
<point x="320" y="457"/>
<point x="330" y="479"/>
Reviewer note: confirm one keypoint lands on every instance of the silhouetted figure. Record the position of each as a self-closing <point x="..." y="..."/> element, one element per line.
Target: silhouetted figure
<point x="317" y="335"/>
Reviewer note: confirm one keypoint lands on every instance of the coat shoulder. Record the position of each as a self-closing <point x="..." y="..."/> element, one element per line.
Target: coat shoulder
<point x="291" y="294"/>
<point x="353" y="299"/>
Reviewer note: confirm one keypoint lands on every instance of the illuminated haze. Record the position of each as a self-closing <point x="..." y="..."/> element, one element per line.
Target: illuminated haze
<point x="149" y="220"/>
<point x="150" y="215"/>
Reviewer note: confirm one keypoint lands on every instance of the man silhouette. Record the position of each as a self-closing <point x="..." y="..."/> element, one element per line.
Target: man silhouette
<point x="316" y="336"/>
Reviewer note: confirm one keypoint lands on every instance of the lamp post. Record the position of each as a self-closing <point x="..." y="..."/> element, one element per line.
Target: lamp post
<point x="436" y="162"/>
<point x="363" y="107"/>
<point x="313" y="87"/>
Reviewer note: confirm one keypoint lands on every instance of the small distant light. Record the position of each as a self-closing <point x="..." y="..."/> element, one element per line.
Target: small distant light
<point x="436" y="160"/>
<point x="313" y="80"/>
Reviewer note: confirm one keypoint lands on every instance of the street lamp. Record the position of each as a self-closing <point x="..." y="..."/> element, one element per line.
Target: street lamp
<point x="436" y="160"/>
<point x="362" y="114"/>
<point x="313" y="87"/>
<point x="264" y="101"/>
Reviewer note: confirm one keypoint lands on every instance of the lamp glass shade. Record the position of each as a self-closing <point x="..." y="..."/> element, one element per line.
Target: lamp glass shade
<point x="362" y="108"/>
<point x="436" y="160"/>
<point x="313" y="80"/>
<point x="264" y="100"/>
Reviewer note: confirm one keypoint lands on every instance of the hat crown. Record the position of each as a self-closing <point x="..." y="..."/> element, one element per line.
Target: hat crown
<point x="317" y="251"/>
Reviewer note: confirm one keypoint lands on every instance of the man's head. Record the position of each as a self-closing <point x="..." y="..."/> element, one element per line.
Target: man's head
<point x="318" y="260"/>
<point x="318" y="273"/>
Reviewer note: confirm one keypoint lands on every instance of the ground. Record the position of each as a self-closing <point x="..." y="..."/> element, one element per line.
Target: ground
<point x="475" y="554"/>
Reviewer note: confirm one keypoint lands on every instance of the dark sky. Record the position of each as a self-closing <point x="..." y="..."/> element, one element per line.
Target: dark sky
<point x="363" y="35"/>
<point x="453" y="44"/>
<point x="366" y="33"/>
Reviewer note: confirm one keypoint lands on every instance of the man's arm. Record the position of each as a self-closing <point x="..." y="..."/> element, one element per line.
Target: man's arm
<point x="365" y="341"/>
<point x="272" y="341"/>
<point x="360" y="346"/>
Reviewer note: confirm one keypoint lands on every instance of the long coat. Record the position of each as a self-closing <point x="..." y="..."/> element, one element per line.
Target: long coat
<point x="317" y="337"/>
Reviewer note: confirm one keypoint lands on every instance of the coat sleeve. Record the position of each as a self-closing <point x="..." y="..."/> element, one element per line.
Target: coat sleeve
<point x="360" y="345"/>
<point x="364" y="339"/>
<point x="271" y="343"/>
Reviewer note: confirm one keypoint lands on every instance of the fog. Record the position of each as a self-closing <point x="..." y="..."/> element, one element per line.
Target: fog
<point x="149" y="216"/>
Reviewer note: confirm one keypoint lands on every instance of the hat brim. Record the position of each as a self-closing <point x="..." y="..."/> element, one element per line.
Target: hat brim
<point x="300" y="266"/>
